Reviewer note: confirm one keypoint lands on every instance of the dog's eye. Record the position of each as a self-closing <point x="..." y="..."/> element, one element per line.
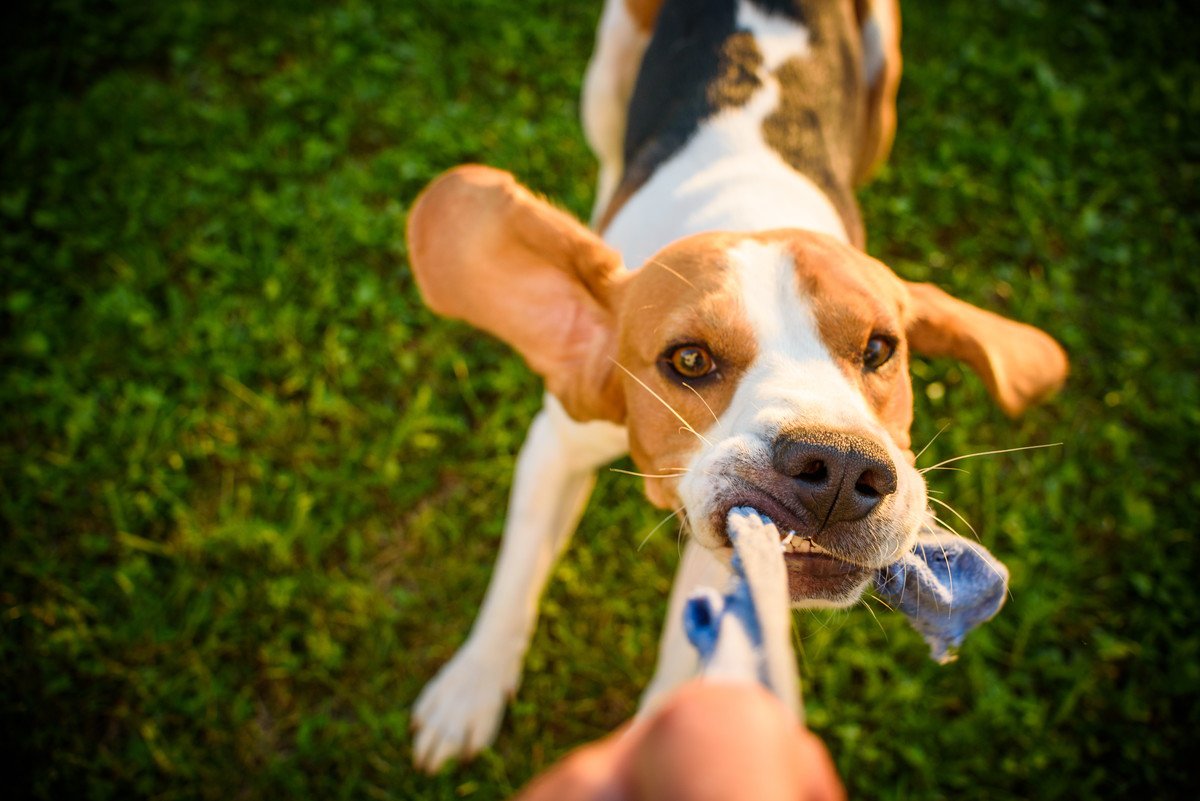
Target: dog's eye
<point x="879" y="349"/>
<point x="691" y="361"/>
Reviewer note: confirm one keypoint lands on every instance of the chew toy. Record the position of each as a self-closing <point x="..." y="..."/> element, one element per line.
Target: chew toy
<point x="745" y="633"/>
<point x="946" y="586"/>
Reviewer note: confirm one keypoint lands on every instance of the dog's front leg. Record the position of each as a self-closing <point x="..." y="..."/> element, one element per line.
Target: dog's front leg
<point x="677" y="660"/>
<point x="459" y="711"/>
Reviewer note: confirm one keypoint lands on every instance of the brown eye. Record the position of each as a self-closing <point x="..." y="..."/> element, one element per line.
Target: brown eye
<point x="691" y="361"/>
<point x="879" y="349"/>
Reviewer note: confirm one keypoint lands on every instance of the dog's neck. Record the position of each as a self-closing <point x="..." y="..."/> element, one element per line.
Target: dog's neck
<point x="741" y="121"/>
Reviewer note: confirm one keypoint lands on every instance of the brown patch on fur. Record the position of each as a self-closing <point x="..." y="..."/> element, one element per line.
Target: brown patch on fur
<point x="815" y="128"/>
<point x="644" y="12"/>
<point x="737" y="72"/>
<point x="683" y="295"/>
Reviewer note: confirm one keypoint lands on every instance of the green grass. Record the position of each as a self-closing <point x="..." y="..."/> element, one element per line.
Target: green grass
<point x="251" y="490"/>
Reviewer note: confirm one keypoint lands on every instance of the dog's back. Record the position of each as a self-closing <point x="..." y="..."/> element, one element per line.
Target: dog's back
<point x="748" y="116"/>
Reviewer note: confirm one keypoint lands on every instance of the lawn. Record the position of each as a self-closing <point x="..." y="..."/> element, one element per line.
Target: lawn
<point x="251" y="490"/>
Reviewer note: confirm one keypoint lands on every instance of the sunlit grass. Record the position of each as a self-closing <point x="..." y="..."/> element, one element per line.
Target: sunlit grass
<point x="252" y="491"/>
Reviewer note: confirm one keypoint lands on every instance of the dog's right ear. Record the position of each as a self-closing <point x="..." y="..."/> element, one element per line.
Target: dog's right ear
<point x="485" y="250"/>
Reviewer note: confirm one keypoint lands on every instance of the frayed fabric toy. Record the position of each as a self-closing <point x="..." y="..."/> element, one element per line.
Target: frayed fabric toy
<point x="946" y="586"/>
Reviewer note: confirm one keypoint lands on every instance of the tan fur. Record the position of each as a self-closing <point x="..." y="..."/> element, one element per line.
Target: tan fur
<point x="485" y="250"/>
<point x="682" y="295"/>
<point x="644" y="12"/>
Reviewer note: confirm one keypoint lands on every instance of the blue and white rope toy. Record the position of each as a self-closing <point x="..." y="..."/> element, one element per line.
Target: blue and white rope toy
<point x="946" y="586"/>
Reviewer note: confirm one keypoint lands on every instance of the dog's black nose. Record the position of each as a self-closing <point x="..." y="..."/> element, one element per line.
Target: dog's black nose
<point x="836" y="476"/>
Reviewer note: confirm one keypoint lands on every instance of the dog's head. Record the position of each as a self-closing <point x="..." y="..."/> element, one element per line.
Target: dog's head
<point x="767" y="370"/>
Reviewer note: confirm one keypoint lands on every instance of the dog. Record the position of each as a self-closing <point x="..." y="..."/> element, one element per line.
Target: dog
<point x="723" y="327"/>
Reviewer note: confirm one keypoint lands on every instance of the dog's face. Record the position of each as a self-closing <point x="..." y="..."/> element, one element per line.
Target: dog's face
<point x="771" y="371"/>
<point x="766" y="370"/>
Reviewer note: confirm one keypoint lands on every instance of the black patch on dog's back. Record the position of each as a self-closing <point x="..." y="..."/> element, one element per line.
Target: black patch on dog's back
<point x="671" y="96"/>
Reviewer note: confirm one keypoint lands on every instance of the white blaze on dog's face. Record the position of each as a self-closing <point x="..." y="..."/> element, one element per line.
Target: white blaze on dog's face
<point x="785" y="353"/>
<point x="767" y="370"/>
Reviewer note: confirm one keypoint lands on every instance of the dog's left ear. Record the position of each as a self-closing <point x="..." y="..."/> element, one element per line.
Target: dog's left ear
<point x="486" y="250"/>
<point x="1019" y="363"/>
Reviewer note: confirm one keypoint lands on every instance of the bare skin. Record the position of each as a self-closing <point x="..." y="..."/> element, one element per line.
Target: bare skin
<point x="710" y="741"/>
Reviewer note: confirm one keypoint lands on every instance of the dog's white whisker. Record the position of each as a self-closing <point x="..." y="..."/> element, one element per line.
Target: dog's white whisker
<point x="659" y="398"/>
<point x="672" y="271"/>
<point x="702" y="400"/>
<point x="940" y="502"/>
<point x="972" y="546"/>
<point x="927" y="444"/>
<point x="643" y="475"/>
<point x="876" y="617"/>
<point x="992" y="453"/>
<point x="949" y="575"/>
<point x="661" y="523"/>
<point x="886" y="605"/>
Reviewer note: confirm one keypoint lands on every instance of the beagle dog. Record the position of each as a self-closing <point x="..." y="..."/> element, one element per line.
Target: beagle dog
<point x="724" y="327"/>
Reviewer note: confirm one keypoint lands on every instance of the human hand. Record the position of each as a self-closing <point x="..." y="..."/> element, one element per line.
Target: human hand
<point x="718" y="741"/>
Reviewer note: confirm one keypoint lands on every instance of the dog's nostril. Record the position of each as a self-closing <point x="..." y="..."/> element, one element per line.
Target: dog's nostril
<point x="875" y="483"/>
<point x="814" y="472"/>
<point x="866" y="485"/>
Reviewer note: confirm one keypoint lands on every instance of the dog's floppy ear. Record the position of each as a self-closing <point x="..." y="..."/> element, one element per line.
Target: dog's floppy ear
<point x="486" y="250"/>
<point x="1019" y="364"/>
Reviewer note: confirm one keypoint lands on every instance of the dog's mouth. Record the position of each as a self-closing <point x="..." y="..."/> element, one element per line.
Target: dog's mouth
<point x="815" y="574"/>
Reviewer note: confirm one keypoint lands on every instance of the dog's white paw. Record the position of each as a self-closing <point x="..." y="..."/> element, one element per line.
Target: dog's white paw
<point x="459" y="711"/>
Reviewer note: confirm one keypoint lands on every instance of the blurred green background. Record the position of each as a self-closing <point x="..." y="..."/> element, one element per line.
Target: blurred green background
<point x="251" y="490"/>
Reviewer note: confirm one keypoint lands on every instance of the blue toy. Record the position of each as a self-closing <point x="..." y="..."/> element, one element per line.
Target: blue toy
<point x="946" y="586"/>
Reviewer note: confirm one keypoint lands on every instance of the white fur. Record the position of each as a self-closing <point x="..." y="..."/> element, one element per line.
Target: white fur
<point x="778" y="38"/>
<point x="880" y="26"/>
<point x="795" y="377"/>
<point x="873" y="56"/>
